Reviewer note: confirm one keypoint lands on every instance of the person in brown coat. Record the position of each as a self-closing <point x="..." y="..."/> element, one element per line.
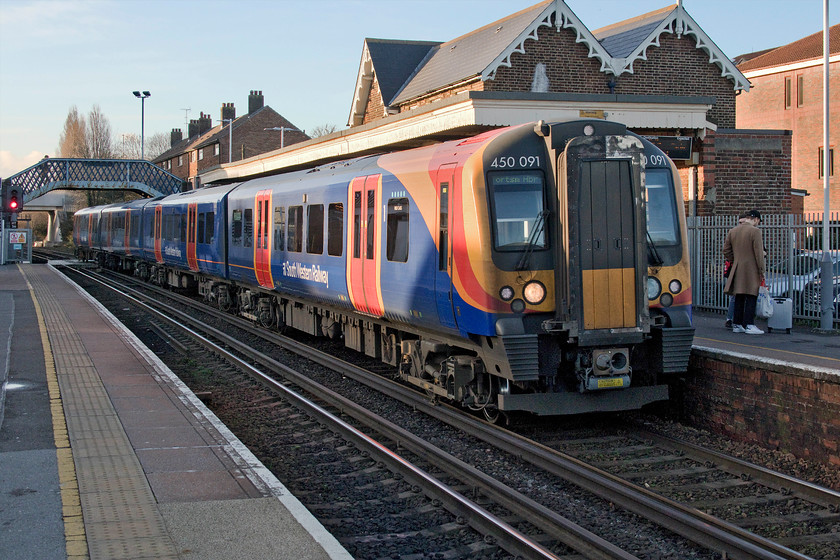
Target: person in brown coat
<point x="745" y="248"/>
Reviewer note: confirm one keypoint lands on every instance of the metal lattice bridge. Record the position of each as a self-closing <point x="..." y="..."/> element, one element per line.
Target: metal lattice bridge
<point x="94" y="174"/>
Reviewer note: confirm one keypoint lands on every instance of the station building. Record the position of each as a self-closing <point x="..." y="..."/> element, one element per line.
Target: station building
<point x="658" y="73"/>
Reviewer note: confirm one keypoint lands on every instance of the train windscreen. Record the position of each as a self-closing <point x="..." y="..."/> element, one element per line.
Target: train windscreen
<point x="518" y="201"/>
<point x="662" y="219"/>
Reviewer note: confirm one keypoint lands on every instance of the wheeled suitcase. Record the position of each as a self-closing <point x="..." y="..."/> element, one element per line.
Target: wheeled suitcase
<point x="782" y="315"/>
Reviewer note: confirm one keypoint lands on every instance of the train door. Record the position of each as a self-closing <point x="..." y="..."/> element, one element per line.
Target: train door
<point x="262" y="249"/>
<point x="157" y="233"/>
<point x="443" y="276"/>
<point x="363" y="242"/>
<point x="192" y="226"/>
<point x="90" y="231"/>
<point x="127" y="240"/>
<point x="606" y="213"/>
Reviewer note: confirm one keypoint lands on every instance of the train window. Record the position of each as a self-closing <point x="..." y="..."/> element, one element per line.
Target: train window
<point x="315" y="229"/>
<point x="397" y="242"/>
<point x="201" y="226"/>
<point x="517" y="201"/>
<point x="295" y="229"/>
<point x="209" y="219"/>
<point x="249" y="228"/>
<point x="357" y="224"/>
<point x="237" y="227"/>
<point x="371" y="222"/>
<point x="335" y="229"/>
<point x="182" y="228"/>
<point x="279" y="228"/>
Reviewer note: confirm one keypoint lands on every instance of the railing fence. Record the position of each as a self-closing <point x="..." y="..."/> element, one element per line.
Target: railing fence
<point x="794" y="251"/>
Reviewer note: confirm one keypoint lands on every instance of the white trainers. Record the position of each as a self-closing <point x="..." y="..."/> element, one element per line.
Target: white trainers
<point x="737" y="328"/>
<point x="752" y="329"/>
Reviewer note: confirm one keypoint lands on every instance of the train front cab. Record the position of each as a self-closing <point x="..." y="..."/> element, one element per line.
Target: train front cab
<point x="606" y="345"/>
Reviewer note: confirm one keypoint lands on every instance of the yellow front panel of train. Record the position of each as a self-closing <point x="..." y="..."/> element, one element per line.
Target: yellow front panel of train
<point x="609" y="298"/>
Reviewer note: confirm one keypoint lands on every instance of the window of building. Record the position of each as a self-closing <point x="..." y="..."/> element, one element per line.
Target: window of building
<point x="216" y="150"/>
<point x="788" y="93"/>
<point x="295" y="243"/>
<point x="821" y="152"/>
<point x="192" y="156"/>
<point x="315" y="229"/>
<point x="335" y="229"/>
<point x="180" y="160"/>
<point x="800" y="91"/>
<point x="279" y="228"/>
<point x="397" y="243"/>
<point x="200" y="154"/>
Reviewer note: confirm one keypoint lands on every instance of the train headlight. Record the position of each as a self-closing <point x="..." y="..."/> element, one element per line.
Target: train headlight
<point x="675" y="286"/>
<point x="534" y="292"/>
<point x="506" y="293"/>
<point x="517" y="306"/>
<point x="666" y="300"/>
<point x="588" y="130"/>
<point x="654" y="288"/>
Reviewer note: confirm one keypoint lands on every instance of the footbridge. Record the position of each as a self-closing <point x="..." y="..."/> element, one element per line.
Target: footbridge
<point x="93" y="174"/>
<point x="50" y="174"/>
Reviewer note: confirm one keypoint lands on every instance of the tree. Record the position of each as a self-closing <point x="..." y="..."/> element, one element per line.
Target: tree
<point x="323" y="130"/>
<point x="72" y="143"/>
<point x="98" y="138"/>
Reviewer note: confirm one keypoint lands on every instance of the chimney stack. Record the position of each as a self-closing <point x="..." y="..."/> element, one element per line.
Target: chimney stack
<point x="175" y="136"/>
<point x="192" y="130"/>
<point x="228" y="112"/>
<point x="255" y="101"/>
<point x="205" y="123"/>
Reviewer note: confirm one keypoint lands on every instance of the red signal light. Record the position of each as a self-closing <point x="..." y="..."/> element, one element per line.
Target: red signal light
<point x="13" y="205"/>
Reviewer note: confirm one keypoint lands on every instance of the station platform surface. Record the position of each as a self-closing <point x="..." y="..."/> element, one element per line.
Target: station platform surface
<point x="105" y="454"/>
<point x="804" y="347"/>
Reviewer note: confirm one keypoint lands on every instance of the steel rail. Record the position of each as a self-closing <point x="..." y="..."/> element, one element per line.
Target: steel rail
<point x="708" y="531"/>
<point x="553" y="524"/>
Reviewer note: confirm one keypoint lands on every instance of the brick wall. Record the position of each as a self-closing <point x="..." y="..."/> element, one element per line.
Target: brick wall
<point x="375" y="108"/>
<point x="772" y="405"/>
<point x="744" y="169"/>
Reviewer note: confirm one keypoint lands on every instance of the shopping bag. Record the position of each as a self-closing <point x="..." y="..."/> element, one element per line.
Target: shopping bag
<point x="764" y="305"/>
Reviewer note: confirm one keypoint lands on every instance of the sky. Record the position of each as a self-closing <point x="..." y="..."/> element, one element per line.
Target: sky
<point x="303" y="55"/>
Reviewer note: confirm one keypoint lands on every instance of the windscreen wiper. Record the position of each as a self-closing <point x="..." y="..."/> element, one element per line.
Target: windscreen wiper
<point x="539" y="225"/>
<point x="657" y="260"/>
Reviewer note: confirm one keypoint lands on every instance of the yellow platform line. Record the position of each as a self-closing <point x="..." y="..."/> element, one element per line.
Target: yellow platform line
<point x="71" y="504"/>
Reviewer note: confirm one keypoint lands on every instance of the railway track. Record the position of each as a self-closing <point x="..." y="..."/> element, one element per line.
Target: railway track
<point x="606" y="480"/>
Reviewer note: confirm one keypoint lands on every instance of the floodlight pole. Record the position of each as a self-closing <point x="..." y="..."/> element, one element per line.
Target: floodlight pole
<point x="142" y="97"/>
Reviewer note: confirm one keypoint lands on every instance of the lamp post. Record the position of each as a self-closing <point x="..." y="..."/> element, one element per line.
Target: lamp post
<point x="142" y="97"/>
<point x="282" y="130"/>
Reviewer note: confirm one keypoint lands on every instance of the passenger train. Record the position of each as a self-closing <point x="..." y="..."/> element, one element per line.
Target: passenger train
<point x="539" y="268"/>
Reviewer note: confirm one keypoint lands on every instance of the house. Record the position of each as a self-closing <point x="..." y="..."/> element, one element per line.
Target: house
<point x="787" y="93"/>
<point x="233" y="139"/>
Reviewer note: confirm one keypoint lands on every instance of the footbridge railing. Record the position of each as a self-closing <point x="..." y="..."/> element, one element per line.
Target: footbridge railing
<point x="94" y="174"/>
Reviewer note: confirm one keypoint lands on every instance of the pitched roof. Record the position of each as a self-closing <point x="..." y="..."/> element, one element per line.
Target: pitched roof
<point x="394" y="61"/>
<point x="469" y="55"/>
<point x="480" y="53"/>
<point x="621" y="39"/>
<point x="807" y="48"/>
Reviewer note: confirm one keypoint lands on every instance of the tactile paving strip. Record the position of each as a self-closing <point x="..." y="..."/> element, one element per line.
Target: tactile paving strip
<point x="119" y="509"/>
